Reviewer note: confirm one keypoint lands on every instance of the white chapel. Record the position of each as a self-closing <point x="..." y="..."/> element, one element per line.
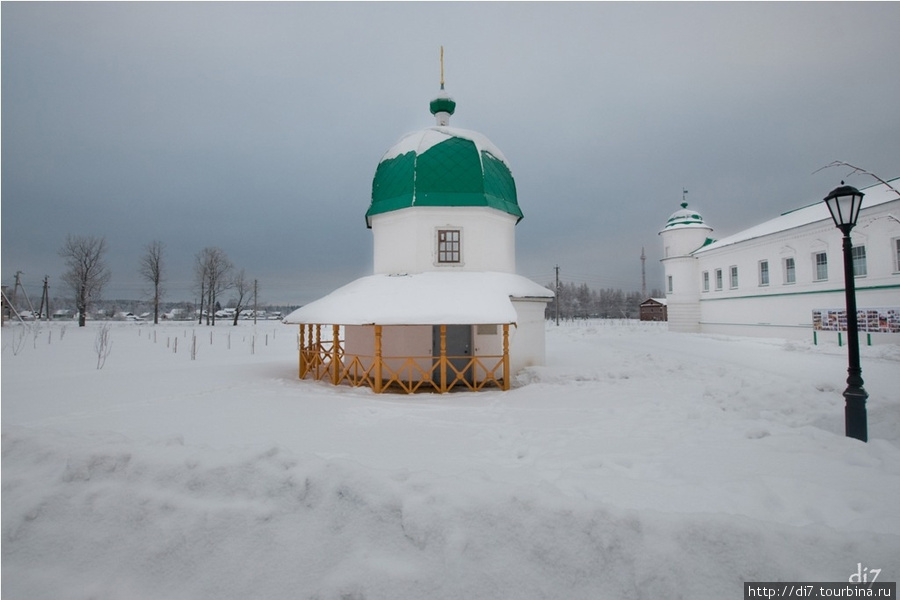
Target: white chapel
<point x="444" y="308"/>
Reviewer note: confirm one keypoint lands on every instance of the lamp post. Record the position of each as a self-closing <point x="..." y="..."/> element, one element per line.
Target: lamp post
<point x="844" y="203"/>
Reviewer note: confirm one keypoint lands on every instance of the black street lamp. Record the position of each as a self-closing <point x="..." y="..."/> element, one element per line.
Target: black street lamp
<point x="844" y="203"/>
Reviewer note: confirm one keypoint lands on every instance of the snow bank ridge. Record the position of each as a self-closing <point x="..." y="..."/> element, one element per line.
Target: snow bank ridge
<point x="315" y="528"/>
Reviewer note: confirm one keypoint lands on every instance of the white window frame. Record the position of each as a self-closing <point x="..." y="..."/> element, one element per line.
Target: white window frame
<point x="858" y="254"/>
<point x="764" y="275"/>
<point x="719" y="280"/>
<point x="817" y="276"/>
<point x="705" y="281"/>
<point x="733" y="277"/>
<point x="669" y="283"/>
<point x="895" y="250"/>
<point x="790" y="270"/>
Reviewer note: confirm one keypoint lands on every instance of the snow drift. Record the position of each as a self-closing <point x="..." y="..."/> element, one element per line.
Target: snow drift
<point x="637" y="464"/>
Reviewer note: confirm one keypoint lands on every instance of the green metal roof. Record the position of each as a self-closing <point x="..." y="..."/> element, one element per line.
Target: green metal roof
<point x="442" y="103"/>
<point x="684" y="218"/>
<point x="459" y="170"/>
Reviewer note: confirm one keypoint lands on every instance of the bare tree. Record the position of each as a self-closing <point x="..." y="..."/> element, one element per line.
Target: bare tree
<point x="102" y="345"/>
<point x="211" y="270"/>
<point x="244" y="292"/>
<point x="87" y="271"/>
<point x="151" y="269"/>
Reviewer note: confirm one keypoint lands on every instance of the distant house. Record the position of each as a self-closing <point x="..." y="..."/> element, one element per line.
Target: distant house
<point x="654" y="309"/>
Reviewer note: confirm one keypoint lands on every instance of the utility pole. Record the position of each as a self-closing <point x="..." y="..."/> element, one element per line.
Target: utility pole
<point x="255" y="306"/>
<point x="45" y="301"/>
<point x="557" y="295"/>
<point x="18" y="287"/>
<point x="643" y="275"/>
<point x="12" y="298"/>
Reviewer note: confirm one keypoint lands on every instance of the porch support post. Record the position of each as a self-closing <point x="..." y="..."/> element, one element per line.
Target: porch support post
<point x="378" y="381"/>
<point x="443" y="359"/>
<point x="505" y="385"/>
<point x="335" y="355"/>
<point x="317" y="348"/>
<point x="301" y="348"/>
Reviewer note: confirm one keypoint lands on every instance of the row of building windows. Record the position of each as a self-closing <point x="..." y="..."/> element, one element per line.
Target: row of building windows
<point x="789" y="269"/>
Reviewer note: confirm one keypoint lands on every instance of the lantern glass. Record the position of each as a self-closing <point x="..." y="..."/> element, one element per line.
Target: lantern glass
<point x="844" y="204"/>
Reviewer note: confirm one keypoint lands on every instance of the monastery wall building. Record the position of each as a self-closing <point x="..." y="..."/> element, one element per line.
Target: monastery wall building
<point x="785" y="277"/>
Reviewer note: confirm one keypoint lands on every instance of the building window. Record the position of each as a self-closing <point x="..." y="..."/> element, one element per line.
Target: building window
<point x="897" y="255"/>
<point x="669" y="283"/>
<point x="790" y="271"/>
<point x="734" y="278"/>
<point x="705" y="281"/>
<point x="763" y="272"/>
<point x="718" y="279"/>
<point x="821" y="260"/>
<point x="859" y="260"/>
<point x="448" y="246"/>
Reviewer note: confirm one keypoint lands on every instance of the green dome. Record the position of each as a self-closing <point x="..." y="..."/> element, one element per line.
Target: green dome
<point x="443" y="103"/>
<point x="685" y="217"/>
<point x="443" y="166"/>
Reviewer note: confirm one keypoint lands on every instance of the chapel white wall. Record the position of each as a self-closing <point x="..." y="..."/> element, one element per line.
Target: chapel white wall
<point x="527" y="338"/>
<point x="405" y="241"/>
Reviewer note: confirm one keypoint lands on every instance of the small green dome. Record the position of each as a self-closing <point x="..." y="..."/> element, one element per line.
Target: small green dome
<point x="443" y="166"/>
<point x="685" y="217"/>
<point x="443" y="103"/>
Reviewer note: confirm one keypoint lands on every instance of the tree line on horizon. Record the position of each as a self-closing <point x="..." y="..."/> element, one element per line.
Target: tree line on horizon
<point x="579" y="301"/>
<point x="87" y="273"/>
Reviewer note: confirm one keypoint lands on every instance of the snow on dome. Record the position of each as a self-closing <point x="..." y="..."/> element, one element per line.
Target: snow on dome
<point x="442" y="107"/>
<point x="443" y="166"/>
<point x="423" y="140"/>
<point x="684" y="218"/>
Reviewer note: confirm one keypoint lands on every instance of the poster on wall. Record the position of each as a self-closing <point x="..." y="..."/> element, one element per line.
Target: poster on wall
<point x="870" y="320"/>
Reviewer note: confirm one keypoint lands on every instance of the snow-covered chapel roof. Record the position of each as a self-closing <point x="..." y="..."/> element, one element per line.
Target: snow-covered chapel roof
<point x="443" y="166"/>
<point x="432" y="298"/>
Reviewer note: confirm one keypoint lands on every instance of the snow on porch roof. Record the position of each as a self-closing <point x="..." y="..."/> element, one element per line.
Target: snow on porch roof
<point x="467" y="298"/>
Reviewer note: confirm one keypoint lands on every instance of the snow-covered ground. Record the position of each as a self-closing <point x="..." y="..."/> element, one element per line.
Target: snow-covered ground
<point x="637" y="464"/>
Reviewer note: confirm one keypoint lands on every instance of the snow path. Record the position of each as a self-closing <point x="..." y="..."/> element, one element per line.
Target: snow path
<point x="638" y="463"/>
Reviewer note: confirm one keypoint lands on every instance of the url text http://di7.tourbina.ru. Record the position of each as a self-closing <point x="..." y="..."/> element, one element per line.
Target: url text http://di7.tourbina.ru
<point x="863" y="583"/>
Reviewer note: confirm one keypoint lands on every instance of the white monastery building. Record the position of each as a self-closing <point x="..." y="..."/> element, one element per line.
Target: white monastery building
<point x="785" y="277"/>
<point x="444" y="307"/>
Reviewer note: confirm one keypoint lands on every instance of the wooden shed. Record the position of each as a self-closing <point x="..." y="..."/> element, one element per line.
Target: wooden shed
<point x="654" y="309"/>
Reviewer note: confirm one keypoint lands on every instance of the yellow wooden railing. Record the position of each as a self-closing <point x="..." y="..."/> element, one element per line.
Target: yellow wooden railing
<point x="323" y="358"/>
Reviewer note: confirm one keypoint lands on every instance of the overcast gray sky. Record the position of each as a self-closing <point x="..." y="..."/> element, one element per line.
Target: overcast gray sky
<point x="257" y="127"/>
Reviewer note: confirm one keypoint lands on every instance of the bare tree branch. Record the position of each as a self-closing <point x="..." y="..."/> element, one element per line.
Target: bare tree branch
<point x="840" y="163"/>
<point x="211" y="270"/>
<point x="87" y="271"/>
<point x="242" y="288"/>
<point x="151" y="269"/>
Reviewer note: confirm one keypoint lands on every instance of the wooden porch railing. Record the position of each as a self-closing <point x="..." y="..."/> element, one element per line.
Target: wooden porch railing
<point x="323" y="358"/>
